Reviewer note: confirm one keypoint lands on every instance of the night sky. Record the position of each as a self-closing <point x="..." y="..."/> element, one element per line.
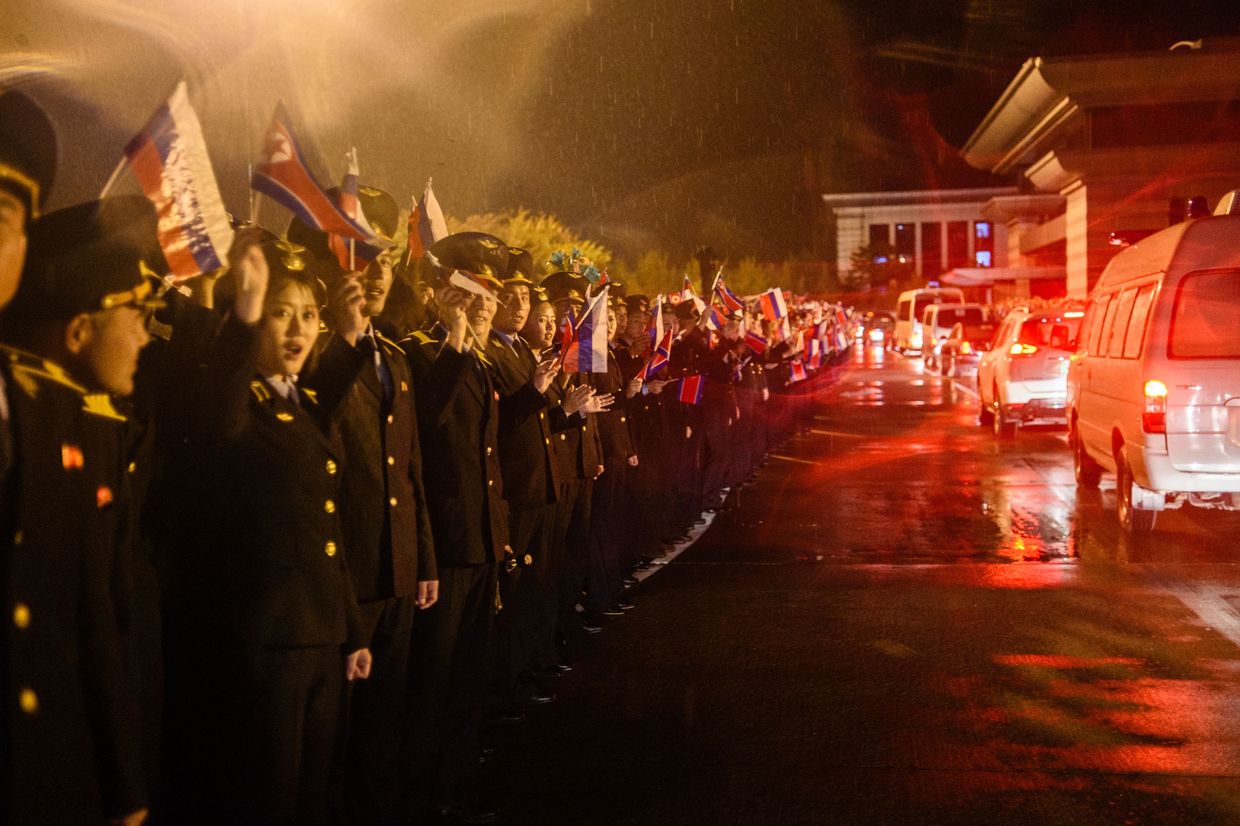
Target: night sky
<point x="643" y="123"/>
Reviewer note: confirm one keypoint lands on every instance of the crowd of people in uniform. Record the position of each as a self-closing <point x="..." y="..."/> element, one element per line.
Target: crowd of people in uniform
<point x="279" y="541"/>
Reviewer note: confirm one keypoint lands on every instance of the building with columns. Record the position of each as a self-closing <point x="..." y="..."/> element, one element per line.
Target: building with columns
<point x="1103" y="144"/>
<point x="936" y="230"/>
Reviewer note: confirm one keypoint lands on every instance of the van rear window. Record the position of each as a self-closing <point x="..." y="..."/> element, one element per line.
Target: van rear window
<point x="1203" y="321"/>
<point x="924" y="300"/>
<point x="960" y="315"/>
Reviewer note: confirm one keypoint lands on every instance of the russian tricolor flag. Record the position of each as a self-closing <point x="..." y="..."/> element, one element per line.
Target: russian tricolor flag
<point x="351" y="253"/>
<point x="169" y="159"/>
<point x="755" y="342"/>
<point x="588" y="352"/>
<point x="773" y="305"/>
<point x="656" y="321"/>
<point x="686" y="289"/>
<point x="426" y="224"/>
<point x="282" y="174"/>
<point x="689" y="389"/>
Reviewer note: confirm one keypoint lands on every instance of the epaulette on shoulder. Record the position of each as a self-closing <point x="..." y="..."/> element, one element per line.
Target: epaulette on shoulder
<point x="29" y="371"/>
<point x="482" y="356"/>
<point x="421" y="337"/>
<point x="100" y="404"/>
<point x="312" y="395"/>
<point x="260" y="390"/>
<point x="389" y="342"/>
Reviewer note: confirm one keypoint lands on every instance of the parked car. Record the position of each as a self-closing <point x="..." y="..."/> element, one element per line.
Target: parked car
<point x="1023" y="378"/>
<point x="909" y="308"/>
<point x="1154" y="390"/>
<point x="960" y="352"/>
<point x="937" y="322"/>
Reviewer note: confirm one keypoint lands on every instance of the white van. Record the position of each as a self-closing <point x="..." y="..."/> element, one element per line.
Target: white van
<point x="1154" y="387"/>
<point x="907" y="337"/>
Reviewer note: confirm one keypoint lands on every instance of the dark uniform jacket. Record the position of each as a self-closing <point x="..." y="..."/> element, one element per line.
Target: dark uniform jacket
<point x="255" y="548"/>
<point x="613" y="425"/>
<point x="70" y="740"/>
<point x="527" y="460"/>
<point x="458" y="422"/>
<point x="578" y="450"/>
<point x="383" y="506"/>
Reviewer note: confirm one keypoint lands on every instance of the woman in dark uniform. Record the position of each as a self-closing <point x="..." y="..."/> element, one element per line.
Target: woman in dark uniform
<point x="262" y="624"/>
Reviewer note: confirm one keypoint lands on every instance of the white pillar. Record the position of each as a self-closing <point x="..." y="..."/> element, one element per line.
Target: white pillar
<point x="1076" y="235"/>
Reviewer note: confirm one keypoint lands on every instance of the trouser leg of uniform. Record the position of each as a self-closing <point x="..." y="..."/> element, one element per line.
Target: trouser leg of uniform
<point x="377" y="717"/>
<point x="576" y="557"/>
<point x="448" y="672"/>
<point x="716" y="468"/>
<point x="603" y="579"/>
<point x="521" y="633"/>
<point x="275" y="734"/>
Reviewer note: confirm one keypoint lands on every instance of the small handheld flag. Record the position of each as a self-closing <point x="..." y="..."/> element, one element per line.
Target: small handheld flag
<point x="689" y="389"/>
<point x="660" y="358"/>
<point x="169" y="159"/>
<point x="755" y="342"/>
<point x="282" y="174"/>
<point x="588" y="353"/>
<point x="351" y="253"/>
<point x="731" y="302"/>
<point x="798" y="371"/>
<point x="686" y="289"/>
<point x="773" y="305"/>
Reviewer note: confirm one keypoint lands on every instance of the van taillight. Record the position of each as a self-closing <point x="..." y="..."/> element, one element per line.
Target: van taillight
<point x="1023" y="349"/>
<point x="1154" y="415"/>
<point x="965" y="348"/>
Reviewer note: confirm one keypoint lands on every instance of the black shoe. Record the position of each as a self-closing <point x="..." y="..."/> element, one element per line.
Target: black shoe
<point x="625" y="606"/>
<point x="628" y="582"/>
<point x="612" y="611"/>
<point x="536" y="697"/>
<point x="549" y="671"/>
<point x="590" y="628"/>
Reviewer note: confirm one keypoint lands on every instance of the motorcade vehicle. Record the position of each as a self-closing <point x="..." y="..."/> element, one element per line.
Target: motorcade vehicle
<point x="961" y="351"/>
<point x="910" y="306"/>
<point x="1023" y="378"/>
<point x="937" y="322"/>
<point x="1154" y="388"/>
<point x="876" y="327"/>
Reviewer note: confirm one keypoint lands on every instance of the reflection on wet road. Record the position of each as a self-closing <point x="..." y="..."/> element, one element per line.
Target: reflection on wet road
<point x="904" y="620"/>
<point x="1046" y="641"/>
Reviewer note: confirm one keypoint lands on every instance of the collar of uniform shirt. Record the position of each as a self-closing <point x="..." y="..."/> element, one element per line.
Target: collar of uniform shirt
<point x="510" y="340"/>
<point x="283" y="385"/>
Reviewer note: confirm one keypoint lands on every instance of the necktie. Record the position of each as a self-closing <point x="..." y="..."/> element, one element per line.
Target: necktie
<point x="382" y="372"/>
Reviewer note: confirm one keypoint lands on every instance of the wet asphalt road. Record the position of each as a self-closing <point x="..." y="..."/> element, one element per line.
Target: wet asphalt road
<point x="906" y="621"/>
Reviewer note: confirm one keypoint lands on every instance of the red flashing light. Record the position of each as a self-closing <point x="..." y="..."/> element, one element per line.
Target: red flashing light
<point x="1154" y="416"/>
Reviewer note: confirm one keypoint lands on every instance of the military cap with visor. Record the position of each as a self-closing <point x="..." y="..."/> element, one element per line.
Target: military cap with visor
<point x="637" y="303"/>
<point x="565" y="286"/>
<point x="28" y="150"/>
<point x="520" y="267"/>
<point x="91" y="257"/>
<point x="479" y="255"/>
